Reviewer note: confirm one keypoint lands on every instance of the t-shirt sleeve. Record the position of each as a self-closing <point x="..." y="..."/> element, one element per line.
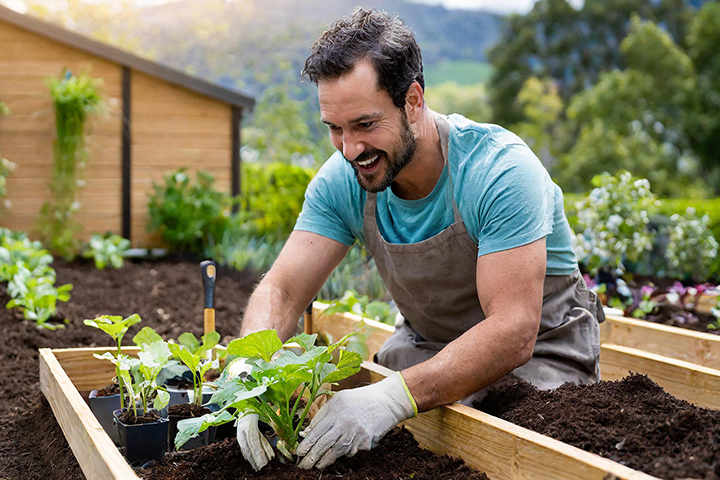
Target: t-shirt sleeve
<point x="517" y="202"/>
<point x="327" y="203"/>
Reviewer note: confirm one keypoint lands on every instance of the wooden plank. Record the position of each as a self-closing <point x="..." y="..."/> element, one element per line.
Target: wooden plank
<point x="674" y="342"/>
<point x="340" y="324"/>
<point x="499" y="448"/>
<point x="95" y="452"/>
<point x="696" y="384"/>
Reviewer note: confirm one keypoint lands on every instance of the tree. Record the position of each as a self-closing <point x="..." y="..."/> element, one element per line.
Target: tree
<point x="703" y="129"/>
<point x="634" y="119"/>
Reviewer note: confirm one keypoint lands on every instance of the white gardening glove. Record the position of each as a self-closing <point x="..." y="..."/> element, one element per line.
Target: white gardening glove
<point x="355" y="419"/>
<point x="253" y="444"/>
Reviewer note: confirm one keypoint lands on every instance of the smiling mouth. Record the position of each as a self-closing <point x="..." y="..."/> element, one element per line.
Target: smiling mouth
<point x="368" y="165"/>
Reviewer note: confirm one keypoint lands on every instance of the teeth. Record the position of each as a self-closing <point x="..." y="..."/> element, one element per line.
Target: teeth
<point x="368" y="162"/>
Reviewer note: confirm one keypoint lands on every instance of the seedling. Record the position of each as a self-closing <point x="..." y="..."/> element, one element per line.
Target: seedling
<point x="116" y="327"/>
<point x="139" y="375"/>
<point x="278" y="372"/>
<point x="190" y="352"/>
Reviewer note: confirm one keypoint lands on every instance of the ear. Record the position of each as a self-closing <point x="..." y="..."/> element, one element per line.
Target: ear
<point x="414" y="100"/>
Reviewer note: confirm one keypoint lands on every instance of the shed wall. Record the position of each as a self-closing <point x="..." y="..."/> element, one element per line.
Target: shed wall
<point x="27" y="134"/>
<point x="172" y="127"/>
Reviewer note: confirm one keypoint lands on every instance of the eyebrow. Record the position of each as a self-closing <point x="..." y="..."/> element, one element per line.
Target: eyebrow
<point x="361" y="118"/>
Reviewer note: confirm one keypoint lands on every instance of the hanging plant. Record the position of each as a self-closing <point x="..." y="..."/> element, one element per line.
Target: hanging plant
<point x="6" y="166"/>
<point x="74" y="98"/>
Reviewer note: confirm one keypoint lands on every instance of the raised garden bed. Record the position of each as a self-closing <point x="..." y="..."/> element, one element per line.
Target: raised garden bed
<point x="494" y="446"/>
<point x="695" y="383"/>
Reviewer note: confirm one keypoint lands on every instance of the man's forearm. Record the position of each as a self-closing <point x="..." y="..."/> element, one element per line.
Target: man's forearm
<point x="475" y="360"/>
<point x="271" y="307"/>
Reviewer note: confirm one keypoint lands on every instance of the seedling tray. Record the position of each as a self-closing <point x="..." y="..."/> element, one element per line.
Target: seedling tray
<point x="494" y="446"/>
<point x="659" y="359"/>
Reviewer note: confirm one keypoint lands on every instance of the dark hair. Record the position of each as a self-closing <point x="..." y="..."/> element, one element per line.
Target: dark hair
<point x="383" y="39"/>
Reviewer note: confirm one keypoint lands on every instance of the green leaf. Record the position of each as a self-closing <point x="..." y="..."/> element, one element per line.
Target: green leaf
<point x="348" y="365"/>
<point x="192" y="427"/>
<point x="161" y="400"/>
<point x="189" y="341"/>
<point x="304" y="340"/>
<point x="262" y="344"/>
<point x="146" y="335"/>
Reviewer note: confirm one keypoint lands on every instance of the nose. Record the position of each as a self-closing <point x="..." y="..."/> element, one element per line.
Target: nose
<point x="351" y="147"/>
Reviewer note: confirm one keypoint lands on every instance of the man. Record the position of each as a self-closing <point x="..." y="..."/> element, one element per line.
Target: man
<point x="466" y="228"/>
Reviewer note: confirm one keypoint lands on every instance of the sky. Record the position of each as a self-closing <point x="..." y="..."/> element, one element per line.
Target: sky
<point x="497" y="6"/>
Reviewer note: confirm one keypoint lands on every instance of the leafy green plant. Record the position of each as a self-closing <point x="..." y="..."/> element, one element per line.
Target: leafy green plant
<point x="25" y="265"/>
<point x="193" y="354"/>
<point x="281" y="375"/>
<point x="106" y="249"/>
<point x="74" y="99"/>
<point x="6" y="166"/>
<point x="139" y="375"/>
<point x="273" y="195"/>
<point x="691" y="248"/>
<point x="356" y="272"/>
<point x="241" y="250"/>
<point x="352" y="302"/>
<point x="647" y="305"/>
<point x="189" y="216"/>
<point x="116" y="327"/>
<point x="614" y="222"/>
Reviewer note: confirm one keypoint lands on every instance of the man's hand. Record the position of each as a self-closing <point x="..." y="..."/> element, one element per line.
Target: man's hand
<point x="253" y="444"/>
<point x="355" y="419"/>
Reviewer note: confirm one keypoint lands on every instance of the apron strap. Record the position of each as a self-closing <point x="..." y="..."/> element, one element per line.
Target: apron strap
<point x="443" y="129"/>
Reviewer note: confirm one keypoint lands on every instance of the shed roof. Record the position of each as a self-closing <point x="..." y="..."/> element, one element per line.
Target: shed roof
<point x="124" y="58"/>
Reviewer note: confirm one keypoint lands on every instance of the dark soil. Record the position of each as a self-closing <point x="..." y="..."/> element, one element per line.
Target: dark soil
<point x="167" y="295"/>
<point x="129" y="419"/>
<point x="398" y="456"/>
<point x="631" y="421"/>
<point x="187" y="410"/>
<point x="180" y="383"/>
<point x="108" y="390"/>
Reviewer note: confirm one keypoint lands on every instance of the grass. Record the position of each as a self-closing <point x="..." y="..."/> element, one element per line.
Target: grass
<point x="462" y="72"/>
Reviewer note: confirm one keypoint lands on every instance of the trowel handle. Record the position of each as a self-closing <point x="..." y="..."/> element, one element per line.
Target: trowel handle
<point x="208" y="270"/>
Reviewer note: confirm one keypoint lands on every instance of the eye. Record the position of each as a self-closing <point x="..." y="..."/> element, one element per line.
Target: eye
<point x="334" y="129"/>
<point x="365" y="125"/>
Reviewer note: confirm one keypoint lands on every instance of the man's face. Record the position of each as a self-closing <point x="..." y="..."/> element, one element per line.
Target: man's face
<point x="366" y="127"/>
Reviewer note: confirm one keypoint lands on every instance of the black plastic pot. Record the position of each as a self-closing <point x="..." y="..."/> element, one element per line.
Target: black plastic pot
<point x="203" y="440"/>
<point x="181" y="395"/>
<point x="103" y="408"/>
<point x="143" y="442"/>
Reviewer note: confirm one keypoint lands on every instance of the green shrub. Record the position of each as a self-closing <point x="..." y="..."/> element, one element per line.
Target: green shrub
<point x="189" y="216"/>
<point x="692" y="248"/>
<point x="242" y="250"/>
<point x="272" y="198"/>
<point x="614" y="222"/>
<point x="106" y="249"/>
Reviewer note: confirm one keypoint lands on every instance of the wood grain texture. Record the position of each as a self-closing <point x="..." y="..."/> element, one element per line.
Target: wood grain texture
<point x="674" y="342"/>
<point x="340" y="324"/>
<point x="183" y="130"/>
<point x="26" y="61"/>
<point x="95" y="452"/>
<point x="696" y="384"/>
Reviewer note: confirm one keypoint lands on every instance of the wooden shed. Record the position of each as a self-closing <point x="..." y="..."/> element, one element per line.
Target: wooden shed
<point x="159" y="120"/>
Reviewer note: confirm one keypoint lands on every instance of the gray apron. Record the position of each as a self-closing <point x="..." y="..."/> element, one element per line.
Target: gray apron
<point x="433" y="283"/>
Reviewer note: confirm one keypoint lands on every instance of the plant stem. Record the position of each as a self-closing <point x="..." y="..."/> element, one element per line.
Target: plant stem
<point x="117" y="372"/>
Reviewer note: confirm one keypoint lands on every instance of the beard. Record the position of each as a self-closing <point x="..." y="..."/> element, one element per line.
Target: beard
<point x="400" y="158"/>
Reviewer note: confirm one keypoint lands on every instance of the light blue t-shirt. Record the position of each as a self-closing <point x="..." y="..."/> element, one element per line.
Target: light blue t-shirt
<point x="504" y="194"/>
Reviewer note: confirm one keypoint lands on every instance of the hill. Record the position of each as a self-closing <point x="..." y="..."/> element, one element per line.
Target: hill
<point x="253" y="43"/>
